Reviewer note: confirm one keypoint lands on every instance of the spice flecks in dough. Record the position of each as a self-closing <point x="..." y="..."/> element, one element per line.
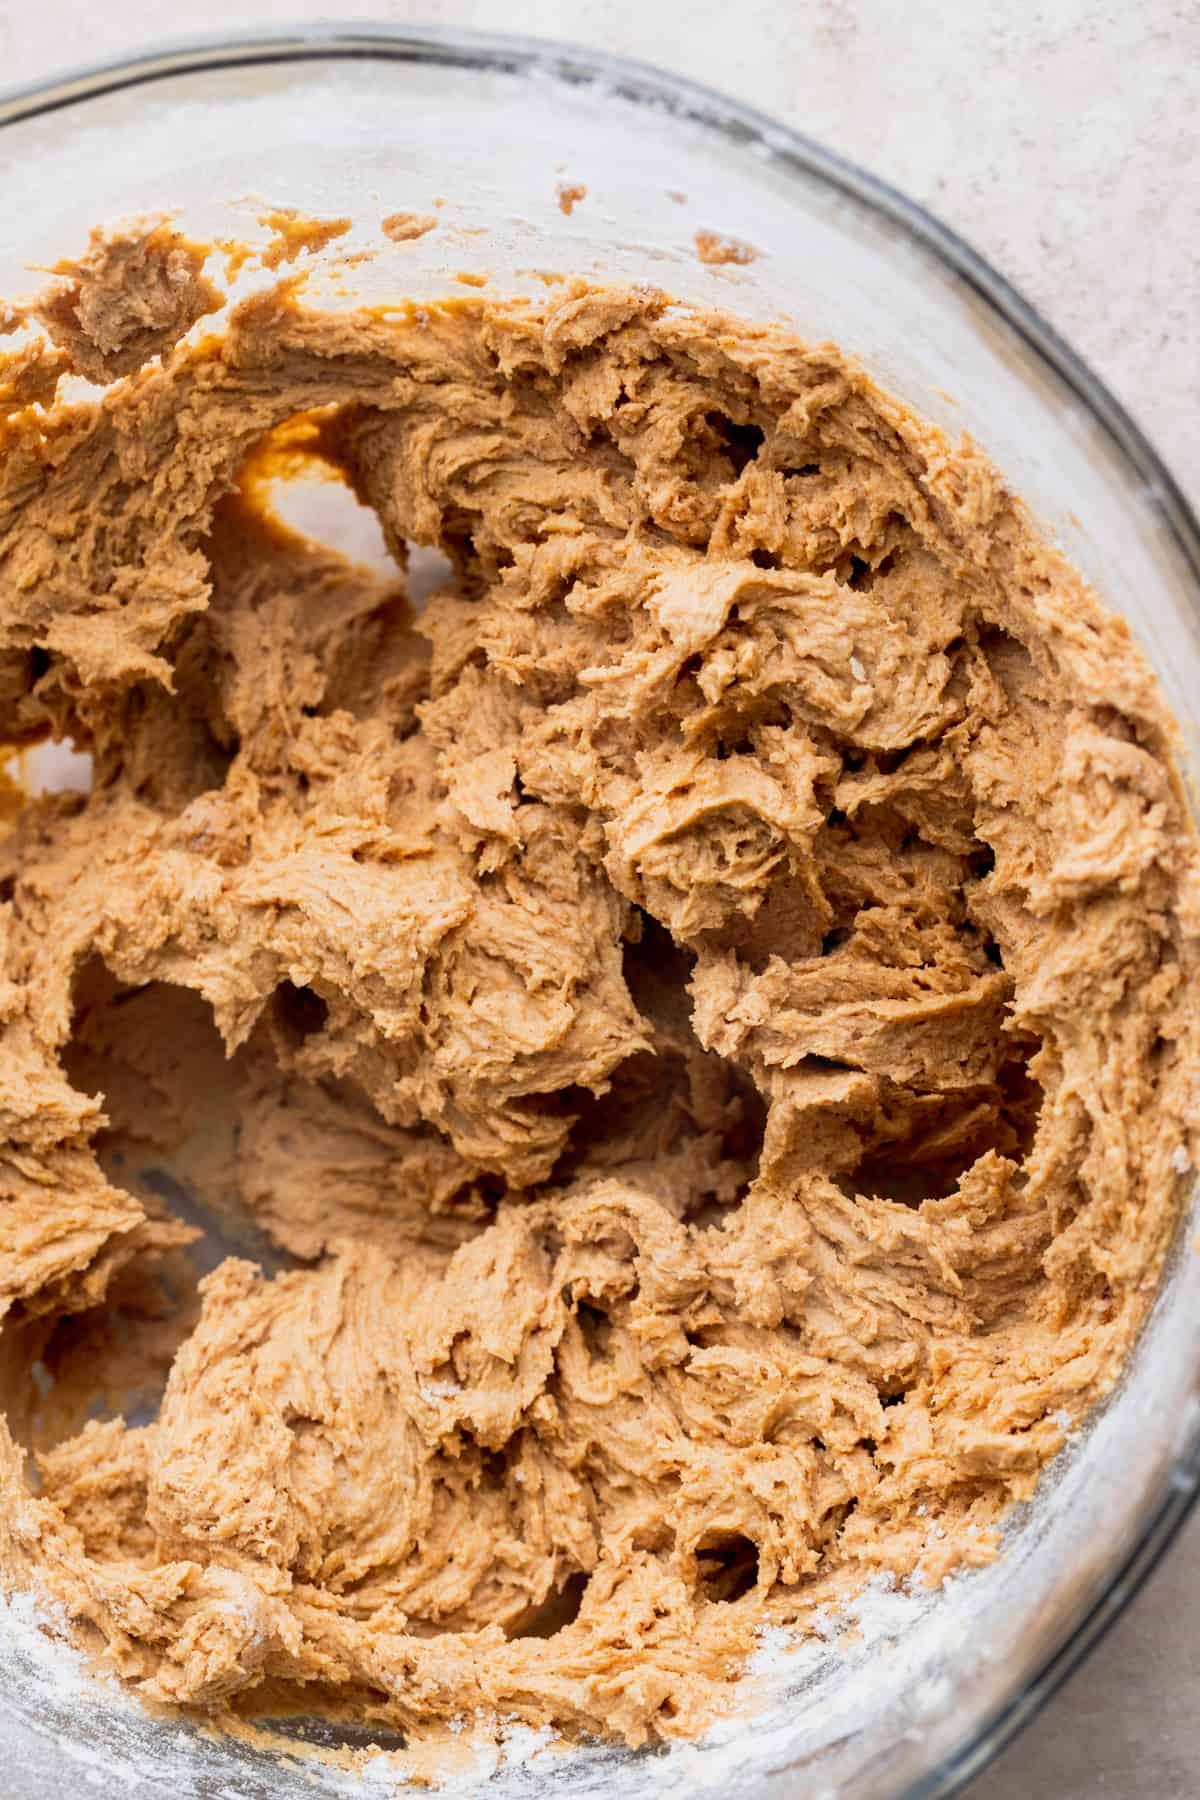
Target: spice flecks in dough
<point x="702" y="1022"/>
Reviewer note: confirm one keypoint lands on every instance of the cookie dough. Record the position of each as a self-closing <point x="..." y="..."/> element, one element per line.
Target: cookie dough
<point x="693" y="1033"/>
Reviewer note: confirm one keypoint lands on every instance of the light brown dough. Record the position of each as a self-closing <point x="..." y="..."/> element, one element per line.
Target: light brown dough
<point x="699" y="1025"/>
<point x="401" y="227"/>
<point x="134" y="294"/>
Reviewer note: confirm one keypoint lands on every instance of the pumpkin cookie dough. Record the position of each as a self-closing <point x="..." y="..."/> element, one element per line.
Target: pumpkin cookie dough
<point x="694" y="1030"/>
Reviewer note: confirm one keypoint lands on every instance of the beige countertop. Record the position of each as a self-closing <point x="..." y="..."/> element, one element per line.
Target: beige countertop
<point x="1060" y="139"/>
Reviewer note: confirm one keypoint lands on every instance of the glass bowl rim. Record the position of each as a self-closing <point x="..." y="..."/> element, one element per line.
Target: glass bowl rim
<point x="636" y="82"/>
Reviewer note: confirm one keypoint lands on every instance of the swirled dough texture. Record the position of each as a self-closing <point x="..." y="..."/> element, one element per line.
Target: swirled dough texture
<point x="702" y="1018"/>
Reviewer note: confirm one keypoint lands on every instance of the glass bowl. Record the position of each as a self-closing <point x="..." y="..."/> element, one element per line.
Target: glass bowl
<point x="484" y="129"/>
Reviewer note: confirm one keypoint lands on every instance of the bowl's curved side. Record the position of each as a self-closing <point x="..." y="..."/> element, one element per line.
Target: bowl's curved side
<point x="1168" y="534"/>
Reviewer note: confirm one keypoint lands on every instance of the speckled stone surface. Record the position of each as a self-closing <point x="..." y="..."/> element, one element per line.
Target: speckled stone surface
<point x="1060" y="138"/>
